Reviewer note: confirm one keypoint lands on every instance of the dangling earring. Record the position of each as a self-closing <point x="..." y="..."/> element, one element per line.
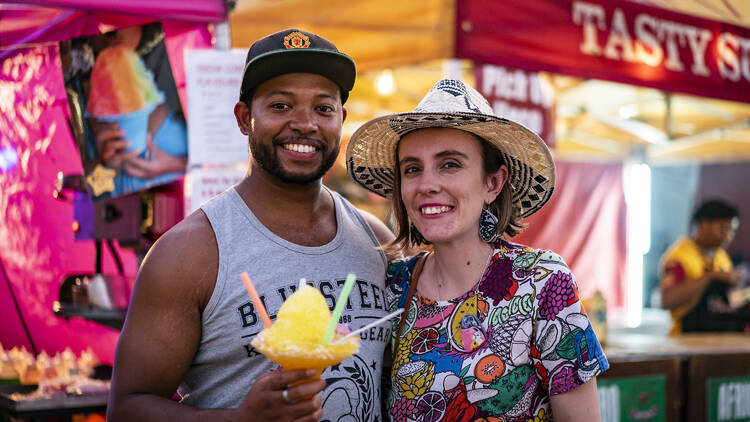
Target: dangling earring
<point x="415" y="237"/>
<point x="487" y="226"/>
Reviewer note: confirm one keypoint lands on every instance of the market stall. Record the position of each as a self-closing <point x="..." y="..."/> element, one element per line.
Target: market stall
<point x="691" y="377"/>
<point x="593" y="140"/>
<point x="49" y="250"/>
<point x="634" y="84"/>
<point x="681" y="104"/>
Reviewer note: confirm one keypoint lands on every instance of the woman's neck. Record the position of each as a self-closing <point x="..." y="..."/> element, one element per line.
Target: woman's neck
<point x="454" y="270"/>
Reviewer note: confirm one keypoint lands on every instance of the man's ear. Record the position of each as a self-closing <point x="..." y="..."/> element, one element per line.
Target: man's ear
<point x="242" y="114"/>
<point x="343" y="114"/>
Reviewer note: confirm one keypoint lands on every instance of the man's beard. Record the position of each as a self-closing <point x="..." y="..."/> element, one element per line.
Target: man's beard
<point x="266" y="157"/>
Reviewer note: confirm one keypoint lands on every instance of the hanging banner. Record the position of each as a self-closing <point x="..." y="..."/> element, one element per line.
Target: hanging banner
<point x="520" y="96"/>
<point x="202" y="184"/>
<point x="213" y="88"/>
<point x="613" y="40"/>
<point x="631" y="399"/>
<point x="728" y="399"/>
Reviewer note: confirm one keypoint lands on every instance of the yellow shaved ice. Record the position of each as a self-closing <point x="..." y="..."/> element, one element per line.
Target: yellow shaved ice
<point x="303" y="318"/>
<point x="295" y="340"/>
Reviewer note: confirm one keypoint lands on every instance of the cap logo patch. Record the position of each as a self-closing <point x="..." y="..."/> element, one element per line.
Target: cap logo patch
<point x="296" y="40"/>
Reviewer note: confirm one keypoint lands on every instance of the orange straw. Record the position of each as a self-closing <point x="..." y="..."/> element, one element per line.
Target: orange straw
<point x="256" y="300"/>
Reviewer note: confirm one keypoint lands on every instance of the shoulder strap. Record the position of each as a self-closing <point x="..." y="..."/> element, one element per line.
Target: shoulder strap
<point x="412" y="288"/>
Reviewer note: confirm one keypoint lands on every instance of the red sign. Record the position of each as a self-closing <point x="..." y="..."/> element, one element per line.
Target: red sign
<point x="520" y="96"/>
<point x="609" y="39"/>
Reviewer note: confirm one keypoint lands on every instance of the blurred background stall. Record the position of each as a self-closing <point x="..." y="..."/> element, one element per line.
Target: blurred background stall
<point x="645" y="105"/>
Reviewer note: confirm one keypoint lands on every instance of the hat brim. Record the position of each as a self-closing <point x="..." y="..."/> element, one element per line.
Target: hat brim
<point x="371" y="153"/>
<point x="335" y="66"/>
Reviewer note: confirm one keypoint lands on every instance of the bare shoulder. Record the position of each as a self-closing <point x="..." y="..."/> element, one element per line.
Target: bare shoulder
<point x="184" y="259"/>
<point x="163" y="327"/>
<point x="382" y="232"/>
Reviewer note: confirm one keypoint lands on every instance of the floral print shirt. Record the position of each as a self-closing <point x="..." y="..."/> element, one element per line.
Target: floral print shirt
<point x="498" y="351"/>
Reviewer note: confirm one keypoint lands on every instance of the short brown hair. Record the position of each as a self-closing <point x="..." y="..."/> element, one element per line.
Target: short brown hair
<point x="507" y="212"/>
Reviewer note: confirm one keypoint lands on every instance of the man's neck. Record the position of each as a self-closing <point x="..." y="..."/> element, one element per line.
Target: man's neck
<point x="706" y="248"/>
<point x="259" y="185"/>
<point x="300" y="213"/>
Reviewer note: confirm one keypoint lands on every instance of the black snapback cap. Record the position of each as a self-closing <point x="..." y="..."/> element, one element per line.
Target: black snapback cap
<point x="296" y="51"/>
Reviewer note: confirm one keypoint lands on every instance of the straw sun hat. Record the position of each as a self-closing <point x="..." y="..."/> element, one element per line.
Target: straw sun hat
<point x="371" y="154"/>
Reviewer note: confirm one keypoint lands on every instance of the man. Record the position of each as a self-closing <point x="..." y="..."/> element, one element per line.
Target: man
<point x="190" y="320"/>
<point x="697" y="272"/>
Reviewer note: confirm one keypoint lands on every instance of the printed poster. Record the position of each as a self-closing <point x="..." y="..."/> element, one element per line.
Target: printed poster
<point x="126" y="116"/>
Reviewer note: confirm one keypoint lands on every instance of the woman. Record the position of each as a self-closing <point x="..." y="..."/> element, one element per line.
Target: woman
<point x="492" y="330"/>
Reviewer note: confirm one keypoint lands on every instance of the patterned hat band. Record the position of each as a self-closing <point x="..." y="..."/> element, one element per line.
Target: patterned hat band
<point x="371" y="154"/>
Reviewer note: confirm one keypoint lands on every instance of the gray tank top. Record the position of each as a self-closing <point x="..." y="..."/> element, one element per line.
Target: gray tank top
<point x="226" y="365"/>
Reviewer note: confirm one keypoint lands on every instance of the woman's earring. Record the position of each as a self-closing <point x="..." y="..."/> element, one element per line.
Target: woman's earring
<point x="487" y="226"/>
<point x="415" y="237"/>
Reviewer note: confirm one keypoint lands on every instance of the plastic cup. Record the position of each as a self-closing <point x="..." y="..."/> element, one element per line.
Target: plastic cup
<point x="134" y="125"/>
<point x="291" y="363"/>
<point x="301" y="360"/>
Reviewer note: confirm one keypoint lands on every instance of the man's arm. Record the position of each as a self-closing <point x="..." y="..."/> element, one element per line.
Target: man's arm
<point x="162" y="333"/>
<point x="676" y="290"/>
<point x="382" y="233"/>
<point x="675" y="294"/>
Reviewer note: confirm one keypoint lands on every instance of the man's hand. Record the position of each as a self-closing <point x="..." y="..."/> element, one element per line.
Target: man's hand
<point x="266" y="401"/>
<point x="729" y="277"/>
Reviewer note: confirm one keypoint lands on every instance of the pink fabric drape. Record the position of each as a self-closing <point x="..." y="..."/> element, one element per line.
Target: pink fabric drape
<point x="56" y="20"/>
<point x="37" y="248"/>
<point x="585" y="222"/>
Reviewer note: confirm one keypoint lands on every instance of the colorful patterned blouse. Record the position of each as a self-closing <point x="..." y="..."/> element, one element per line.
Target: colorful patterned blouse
<point x="498" y="351"/>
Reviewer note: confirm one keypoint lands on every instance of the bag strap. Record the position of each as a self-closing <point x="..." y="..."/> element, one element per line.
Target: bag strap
<point x="412" y="288"/>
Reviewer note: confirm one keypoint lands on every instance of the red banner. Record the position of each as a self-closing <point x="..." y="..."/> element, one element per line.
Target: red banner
<point x="609" y="39"/>
<point x="586" y="211"/>
<point x="520" y="96"/>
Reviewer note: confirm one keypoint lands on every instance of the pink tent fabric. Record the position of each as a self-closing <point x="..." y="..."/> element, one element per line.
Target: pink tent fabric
<point x="193" y="10"/>
<point x="38" y="249"/>
<point x="586" y="211"/>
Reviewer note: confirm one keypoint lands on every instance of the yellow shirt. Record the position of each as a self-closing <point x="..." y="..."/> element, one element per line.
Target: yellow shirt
<point x="685" y="263"/>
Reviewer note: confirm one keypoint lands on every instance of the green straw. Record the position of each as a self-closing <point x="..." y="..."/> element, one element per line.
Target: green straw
<point x="340" y="304"/>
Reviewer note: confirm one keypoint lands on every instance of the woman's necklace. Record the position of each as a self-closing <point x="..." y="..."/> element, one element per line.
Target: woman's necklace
<point x="439" y="281"/>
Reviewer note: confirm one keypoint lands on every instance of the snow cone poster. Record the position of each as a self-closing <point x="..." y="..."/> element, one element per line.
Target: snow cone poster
<point x="126" y="115"/>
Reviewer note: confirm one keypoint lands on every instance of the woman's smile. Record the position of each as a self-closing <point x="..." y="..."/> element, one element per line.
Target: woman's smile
<point x="434" y="210"/>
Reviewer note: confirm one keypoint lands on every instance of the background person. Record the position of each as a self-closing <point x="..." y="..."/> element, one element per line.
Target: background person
<point x="491" y="329"/>
<point x="696" y="273"/>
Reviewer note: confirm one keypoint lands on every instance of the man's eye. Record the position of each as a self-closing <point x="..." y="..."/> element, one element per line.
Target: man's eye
<point x="326" y="109"/>
<point x="279" y="106"/>
<point x="451" y="164"/>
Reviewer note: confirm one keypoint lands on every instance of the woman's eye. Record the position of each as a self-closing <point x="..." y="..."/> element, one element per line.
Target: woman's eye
<point x="410" y="170"/>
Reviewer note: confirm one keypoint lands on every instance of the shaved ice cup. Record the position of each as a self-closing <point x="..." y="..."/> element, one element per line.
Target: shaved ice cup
<point x="299" y="359"/>
<point x="134" y="125"/>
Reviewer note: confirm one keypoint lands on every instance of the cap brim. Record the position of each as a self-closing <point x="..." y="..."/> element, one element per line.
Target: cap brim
<point x="335" y="66"/>
<point x="371" y="153"/>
